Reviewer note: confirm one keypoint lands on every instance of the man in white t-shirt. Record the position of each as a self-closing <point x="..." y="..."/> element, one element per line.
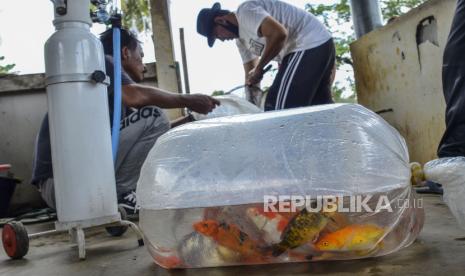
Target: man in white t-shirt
<point x="267" y="30"/>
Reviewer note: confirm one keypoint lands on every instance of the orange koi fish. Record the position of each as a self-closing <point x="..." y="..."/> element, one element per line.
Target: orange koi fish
<point x="229" y="236"/>
<point x="351" y="238"/>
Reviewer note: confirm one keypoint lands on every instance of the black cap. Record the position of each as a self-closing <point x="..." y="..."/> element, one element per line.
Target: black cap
<point x="205" y="22"/>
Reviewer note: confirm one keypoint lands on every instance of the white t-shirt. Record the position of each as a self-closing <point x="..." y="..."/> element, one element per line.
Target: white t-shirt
<point x="304" y="30"/>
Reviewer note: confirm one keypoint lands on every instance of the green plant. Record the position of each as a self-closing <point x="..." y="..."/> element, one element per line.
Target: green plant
<point x="5" y="69"/>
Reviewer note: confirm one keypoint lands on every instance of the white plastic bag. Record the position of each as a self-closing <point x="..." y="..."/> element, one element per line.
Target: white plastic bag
<point x="450" y="172"/>
<point x="218" y="172"/>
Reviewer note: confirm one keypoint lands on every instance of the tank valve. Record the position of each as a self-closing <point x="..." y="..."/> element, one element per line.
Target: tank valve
<point x="60" y="6"/>
<point x="98" y="76"/>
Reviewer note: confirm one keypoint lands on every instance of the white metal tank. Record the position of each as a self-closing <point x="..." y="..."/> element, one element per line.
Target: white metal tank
<point x="79" y="122"/>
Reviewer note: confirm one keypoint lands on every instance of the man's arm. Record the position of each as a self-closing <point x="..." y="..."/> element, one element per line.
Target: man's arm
<point x="137" y="95"/>
<point x="275" y="35"/>
<point x="249" y="66"/>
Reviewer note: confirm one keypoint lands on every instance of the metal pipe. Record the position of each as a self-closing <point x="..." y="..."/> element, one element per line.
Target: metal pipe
<point x="366" y="15"/>
<point x="184" y="61"/>
<point x="117" y="97"/>
<point x="45" y="233"/>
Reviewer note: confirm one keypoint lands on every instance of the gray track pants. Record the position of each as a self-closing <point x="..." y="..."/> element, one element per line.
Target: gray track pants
<point x="139" y="132"/>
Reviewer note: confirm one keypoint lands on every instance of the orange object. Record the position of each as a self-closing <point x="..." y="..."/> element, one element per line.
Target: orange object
<point x="168" y="261"/>
<point x="229" y="236"/>
<point x="351" y="238"/>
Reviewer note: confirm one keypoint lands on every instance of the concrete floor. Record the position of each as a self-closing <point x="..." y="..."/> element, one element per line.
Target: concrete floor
<point x="440" y="249"/>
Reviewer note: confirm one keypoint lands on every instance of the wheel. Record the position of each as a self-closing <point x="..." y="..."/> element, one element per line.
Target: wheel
<point x="15" y="240"/>
<point x="117" y="231"/>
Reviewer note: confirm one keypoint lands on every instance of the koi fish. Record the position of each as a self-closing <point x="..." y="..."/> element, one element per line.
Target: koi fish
<point x="235" y="215"/>
<point x="302" y="228"/>
<point x="229" y="236"/>
<point x="197" y="250"/>
<point x="351" y="238"/>
<point x="271" y="224"/>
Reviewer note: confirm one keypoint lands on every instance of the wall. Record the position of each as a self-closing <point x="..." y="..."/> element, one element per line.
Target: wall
<point x="23" y="103"/>
<point x="398" y="72"/>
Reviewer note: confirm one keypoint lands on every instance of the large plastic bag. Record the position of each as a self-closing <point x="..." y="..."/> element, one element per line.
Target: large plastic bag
<point x="450" y="172"/>
<point x="230" y="105"/>
<point x="203" y="189"/>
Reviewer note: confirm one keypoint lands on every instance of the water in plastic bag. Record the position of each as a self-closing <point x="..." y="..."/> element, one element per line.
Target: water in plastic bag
<point x="217" y="192"/>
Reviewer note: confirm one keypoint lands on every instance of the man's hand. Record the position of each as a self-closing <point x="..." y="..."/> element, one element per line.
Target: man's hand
<point x="254" y="76"/>
<point x="200" y="103"/>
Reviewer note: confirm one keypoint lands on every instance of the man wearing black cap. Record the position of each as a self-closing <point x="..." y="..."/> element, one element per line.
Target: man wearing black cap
<point x="268" y="30"/>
